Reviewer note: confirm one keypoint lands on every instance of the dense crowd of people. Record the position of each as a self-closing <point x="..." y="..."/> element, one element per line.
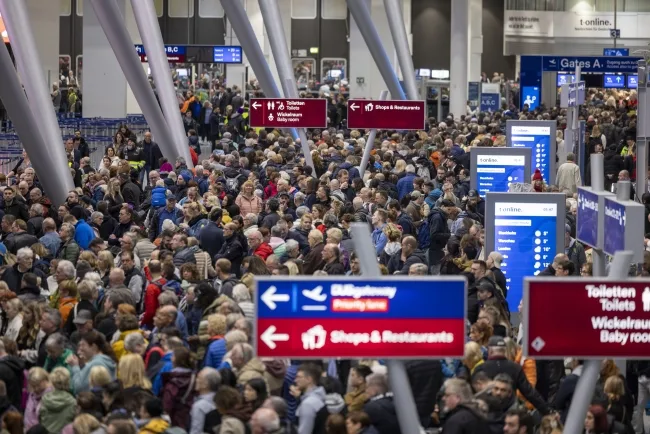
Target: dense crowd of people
<point x="129" y="308"/>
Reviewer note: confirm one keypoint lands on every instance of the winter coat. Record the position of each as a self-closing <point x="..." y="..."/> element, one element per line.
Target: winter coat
<point x="465" y="419"/>
<point x="439" y="234"/>
<point x="356" y="398"/>
<point x="118" y="346"/>
<point x="69" y="251"/>
<point x="155" y="426"/>
<point x="264" y="250"/>
<point x="382" y="413"/>
<point x="80" y="376"/>
<point x="12" y="277"/>
<point x="11" y="372"/>
<point x="58" y="408"/>
<point x="211" y="238"/>
<point x="183" y="256"/>
<point x="233" y="251"/>
<point x="253" y="369"/>
<point x="249" y="205"/>
<point x="32" y="409"/>
<point x="178" y="394"/>
<point x="158" y="197"/>
<point x="18" y="241"/>
<point x="395" y="263"/>
<point x="215" y="352"/>
<point x="312" y="411"/>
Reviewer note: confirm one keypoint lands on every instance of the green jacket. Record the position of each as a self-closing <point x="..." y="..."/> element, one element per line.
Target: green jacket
<point x="50" y="363"/>
<point x="69" y="251"/>
<point x="58" y="408"/>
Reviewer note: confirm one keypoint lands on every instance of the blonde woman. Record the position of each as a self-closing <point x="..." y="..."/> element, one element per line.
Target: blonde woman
<point x="131" y="374"/>
<point x="13" y="308"/>
<point x="85" y="424"/>
<point x="99" y="377"/>
<point x="114" y="198"/>
<point x="247" y="201"/>
<point x="105" y="263"/>
<point x="473" y="356"/>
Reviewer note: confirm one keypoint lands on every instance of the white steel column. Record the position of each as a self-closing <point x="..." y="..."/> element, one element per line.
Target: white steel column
<point x="459" y="56"/>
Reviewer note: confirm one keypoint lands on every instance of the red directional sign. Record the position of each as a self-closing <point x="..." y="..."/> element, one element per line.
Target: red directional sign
<point x="586" y="318"/>
<point x="288" y="113"/>
<point x="386" y="115"/>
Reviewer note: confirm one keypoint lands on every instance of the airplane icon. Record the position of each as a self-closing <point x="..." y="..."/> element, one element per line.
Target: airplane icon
<point x="315" y="294"/>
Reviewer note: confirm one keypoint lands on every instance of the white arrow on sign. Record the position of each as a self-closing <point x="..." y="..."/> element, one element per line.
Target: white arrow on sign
<point x="270" y="297"/>
<point x="256" y="105"/>
<point x="269" y="337"/>
<point x="353" y="107"/>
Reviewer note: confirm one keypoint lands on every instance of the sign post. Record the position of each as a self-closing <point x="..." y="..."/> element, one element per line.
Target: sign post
<point x="288" y="112"/>
<point x="386" y="115"/>
<point x="643" y="129"/>
<point x="370" y="143"/>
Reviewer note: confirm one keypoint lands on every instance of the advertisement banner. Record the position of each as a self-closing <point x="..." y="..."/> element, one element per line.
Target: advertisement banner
<point x="528" y="23"/>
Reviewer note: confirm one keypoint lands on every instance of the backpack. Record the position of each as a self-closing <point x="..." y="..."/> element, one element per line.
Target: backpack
<point x="424" y="236"/>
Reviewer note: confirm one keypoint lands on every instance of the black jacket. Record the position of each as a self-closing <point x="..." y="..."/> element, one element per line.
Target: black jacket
<point x="395" y="263"/>
<point x="500" y="280"/>
<point x="20" y="240"/>
<point x="11" y="372"/>
<point x="184" y="256"/>
<point x="234" y="252"/>
<point x="439" y="235"/>
<point x="131" y="194"/>
<point x="495" y="366"/>
<point x="17" y="209"/>
<point x="211" y="239"/>
<point x="334" y="268"/>
<point x="12" y="277"/>
<point x="381" y="410"/>
<point x="35" y="226"/>
<point x="464" y="419"/>
<point x="425" y="377"/>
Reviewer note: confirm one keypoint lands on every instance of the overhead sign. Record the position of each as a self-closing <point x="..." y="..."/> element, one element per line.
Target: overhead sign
<point x="530" y="96"/>
<point x="330" y="317"/>
<point x="614" y="82"/>
<point x="632" y="81"/>
<point x="490" y="102"/>
<point x="616" y="52"/>
<point x="622" y="220"/>
<point x="288" y="113"/>
<point x="494" y="169"/>
<point x="539" y="136"/>
<point x="197" y="53"/>
<point x="588" y="220"/>
<point x="590" y="64"/>
<point x="594" y="318"/>
<point x="565" y="79"/>
<point x="528" y="230"/>
<point x="386" y="115"/>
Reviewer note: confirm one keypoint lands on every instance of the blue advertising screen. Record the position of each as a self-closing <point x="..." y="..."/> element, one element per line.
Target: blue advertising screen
<point x="490" y="102"/>
<point x="587" y="218"/>
<point x="525" y="235"/>
<point x="614" y="81"/>
<point x="632" y="81"/>
<point x="615" y="224"/>
<point x="539" y="139"/>
<point x="227" y="54"/>
<point x="496" y="172"/>
<point x="530" y="96"/>
<point x="616" y="52"/>
<point x="565" y="78"/>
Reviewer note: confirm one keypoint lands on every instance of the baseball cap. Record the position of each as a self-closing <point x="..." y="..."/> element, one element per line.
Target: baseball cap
<point x="83" y="316"/>
<point x="415" y="194"/>
<point x="472" y="194"/>
<point x="497" y="341"/>
<point x="170" y="196"/>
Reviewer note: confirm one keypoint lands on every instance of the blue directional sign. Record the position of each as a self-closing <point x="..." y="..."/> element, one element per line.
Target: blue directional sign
<point x="573" y="95"/>
<point x="632" y="81"/>
<point x="527" y="229"/>
<point x="473" y="94"/>
<point x="590" y="64"/>
<point x="622" y="220"/>
<point x="589" y="221"/>
<point x="614" y="81"/>
<point x="616" y="52"/>
<point x="530" y="96"/>
<point x="490" y="102"/>
<point x="360" y="317"/>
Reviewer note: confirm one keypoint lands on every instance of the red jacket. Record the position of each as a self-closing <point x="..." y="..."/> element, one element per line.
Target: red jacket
<point x="264" y="250"/>
<point x="270" y="191"/>
<point x="152" y="292"/>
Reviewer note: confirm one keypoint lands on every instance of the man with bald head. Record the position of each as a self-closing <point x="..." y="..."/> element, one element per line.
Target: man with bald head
<point x="265" y="421"/>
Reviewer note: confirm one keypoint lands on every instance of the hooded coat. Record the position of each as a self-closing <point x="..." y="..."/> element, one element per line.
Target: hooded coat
<point x="253" y="369"/>
<point x="58" y="408"/>
<point x="178" y="395"/>
<point x="80" y="376"/>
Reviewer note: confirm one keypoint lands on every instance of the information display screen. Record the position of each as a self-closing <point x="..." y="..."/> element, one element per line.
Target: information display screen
<point x="526" y="235"/>
<point x="615" y="220"/>
<point x="227" y="54"/>
<point x="565" y="78"/>
<point x="614" y="82"/>
<point x="539" y="136"/>
<point x="496" y="172"/>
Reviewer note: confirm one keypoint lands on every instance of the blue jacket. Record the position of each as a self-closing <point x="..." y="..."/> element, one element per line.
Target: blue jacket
<point x="405" y="185"/>
<point x="379" y="240"/>
<point x="83" y="234"/>
<point x="157" y="383"/>
<point x="214" y="353"/>
<point x="158" y="197"/>
<point x="181" y="325"/>
<point x="204" y="184"/>
<point x="164" y="214"/>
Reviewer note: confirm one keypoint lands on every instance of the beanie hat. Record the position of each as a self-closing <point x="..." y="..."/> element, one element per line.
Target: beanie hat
<point x="186" y="175"/>
<point x="537" y="176"/>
